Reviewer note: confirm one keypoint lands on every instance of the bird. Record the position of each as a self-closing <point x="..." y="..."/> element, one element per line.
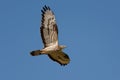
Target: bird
<point x="49" y="35"/>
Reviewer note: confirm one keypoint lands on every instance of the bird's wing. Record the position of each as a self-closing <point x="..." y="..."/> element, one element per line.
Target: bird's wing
<point x="49" y="30"/>
<point x="60" y="57"/>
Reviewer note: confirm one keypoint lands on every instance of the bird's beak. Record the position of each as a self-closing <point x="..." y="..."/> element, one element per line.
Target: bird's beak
<point x="64" y="46"/>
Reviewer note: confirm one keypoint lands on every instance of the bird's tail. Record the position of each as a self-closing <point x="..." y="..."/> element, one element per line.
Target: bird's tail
<point x="36" y="53"/>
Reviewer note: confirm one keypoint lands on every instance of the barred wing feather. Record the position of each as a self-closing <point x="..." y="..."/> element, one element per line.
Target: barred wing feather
<point x="49" y="31"/>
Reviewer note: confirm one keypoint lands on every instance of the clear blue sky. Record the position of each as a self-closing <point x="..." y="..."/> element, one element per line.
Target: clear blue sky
<point x="89" y="28"/>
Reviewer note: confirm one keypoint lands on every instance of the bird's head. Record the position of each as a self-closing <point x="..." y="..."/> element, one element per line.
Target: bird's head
<point x="62" y="46"/>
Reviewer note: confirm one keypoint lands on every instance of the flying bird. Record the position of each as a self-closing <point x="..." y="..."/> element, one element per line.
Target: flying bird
<point x="49" y="35"/>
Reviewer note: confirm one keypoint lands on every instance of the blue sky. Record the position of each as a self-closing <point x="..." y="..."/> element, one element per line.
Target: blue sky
<point x="89" y="28"/>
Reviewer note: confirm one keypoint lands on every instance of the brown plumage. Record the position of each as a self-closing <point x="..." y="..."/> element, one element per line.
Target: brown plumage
<point x="49" y="34"/>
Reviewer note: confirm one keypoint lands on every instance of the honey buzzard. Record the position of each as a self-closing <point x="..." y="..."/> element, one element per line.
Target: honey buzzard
<point x="49" y="34"/>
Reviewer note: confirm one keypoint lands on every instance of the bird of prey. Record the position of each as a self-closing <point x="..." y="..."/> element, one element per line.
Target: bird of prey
<point x="49" y="34"/>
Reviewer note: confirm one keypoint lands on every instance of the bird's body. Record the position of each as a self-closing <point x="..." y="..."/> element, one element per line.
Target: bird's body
<point x="49" y="34"/>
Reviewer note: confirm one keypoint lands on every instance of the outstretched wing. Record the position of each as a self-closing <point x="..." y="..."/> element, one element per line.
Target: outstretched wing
<point x="49" y="30"/>
<point x="59" y="57"/>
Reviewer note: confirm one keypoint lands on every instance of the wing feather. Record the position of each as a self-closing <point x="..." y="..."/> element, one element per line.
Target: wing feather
<point x="60" y="57"/>
<point x="49" y="30"/>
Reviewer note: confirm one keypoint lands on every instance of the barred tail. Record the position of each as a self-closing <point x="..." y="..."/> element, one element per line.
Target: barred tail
<point x="35" y="53"/>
